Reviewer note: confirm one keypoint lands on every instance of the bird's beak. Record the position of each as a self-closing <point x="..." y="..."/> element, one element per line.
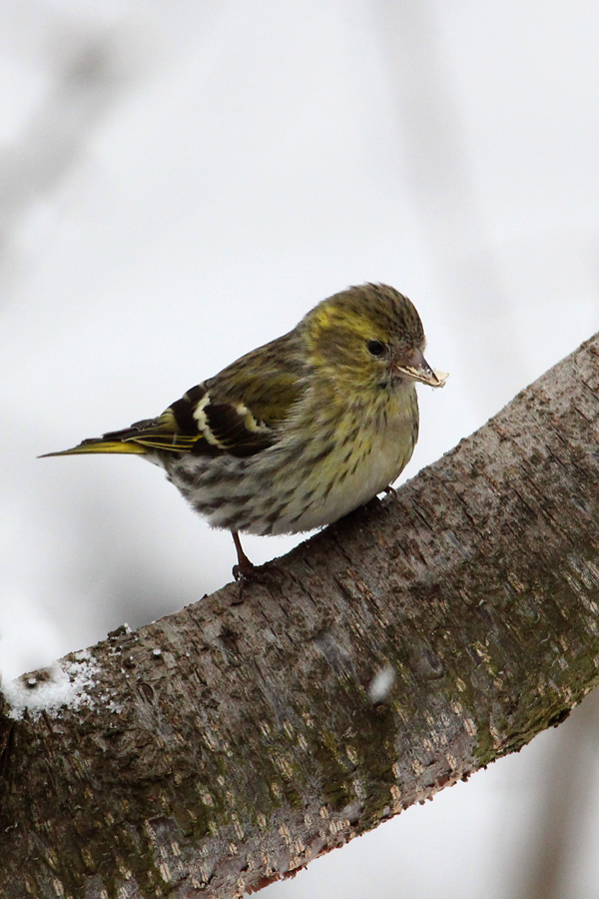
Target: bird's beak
<point x="417" y="368"/>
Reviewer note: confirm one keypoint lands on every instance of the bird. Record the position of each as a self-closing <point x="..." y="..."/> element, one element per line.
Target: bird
<point x="299" y="432"/>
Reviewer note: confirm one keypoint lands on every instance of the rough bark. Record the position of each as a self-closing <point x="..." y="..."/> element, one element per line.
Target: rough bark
<point x="400" y="650"/>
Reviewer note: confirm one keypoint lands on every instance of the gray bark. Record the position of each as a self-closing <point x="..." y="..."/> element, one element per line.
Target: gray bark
<point x="398" y="651"/>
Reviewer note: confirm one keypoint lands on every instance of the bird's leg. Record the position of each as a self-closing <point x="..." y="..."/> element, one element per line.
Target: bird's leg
<point x="245" y="569"/>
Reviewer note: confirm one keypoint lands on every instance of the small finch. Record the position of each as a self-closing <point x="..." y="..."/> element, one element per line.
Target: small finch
<point x="301" y="431"/>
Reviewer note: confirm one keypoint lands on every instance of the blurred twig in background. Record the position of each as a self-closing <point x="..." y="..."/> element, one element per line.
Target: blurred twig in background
<point x="563" y="807"/>
<point x="84" y="78"/>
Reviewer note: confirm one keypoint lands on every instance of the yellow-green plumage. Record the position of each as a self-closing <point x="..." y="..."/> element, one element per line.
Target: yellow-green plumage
<point x="302" y="430"/>
<point x="100" y="445"/>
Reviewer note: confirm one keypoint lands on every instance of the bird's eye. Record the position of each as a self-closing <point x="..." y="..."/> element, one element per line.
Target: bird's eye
<point x="375" y="347"/>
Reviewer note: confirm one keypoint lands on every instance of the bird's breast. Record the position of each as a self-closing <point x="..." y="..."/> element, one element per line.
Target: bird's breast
<point x="361" y="452"/>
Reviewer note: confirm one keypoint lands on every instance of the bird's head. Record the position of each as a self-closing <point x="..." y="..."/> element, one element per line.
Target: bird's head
<point x="368" y="337"/>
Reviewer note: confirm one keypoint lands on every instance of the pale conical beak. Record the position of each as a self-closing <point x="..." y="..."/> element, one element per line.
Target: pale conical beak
<point x="418" y="369"/>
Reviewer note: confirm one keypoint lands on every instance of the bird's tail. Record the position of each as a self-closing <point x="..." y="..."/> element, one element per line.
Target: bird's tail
<point x="114" y="442"/>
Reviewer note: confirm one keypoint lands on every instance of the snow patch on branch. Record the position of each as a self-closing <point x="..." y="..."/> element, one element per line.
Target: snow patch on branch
<point x="65" y="683"/>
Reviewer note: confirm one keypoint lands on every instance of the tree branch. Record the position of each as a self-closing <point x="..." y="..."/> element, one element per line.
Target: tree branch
<point x="401" y="649"/>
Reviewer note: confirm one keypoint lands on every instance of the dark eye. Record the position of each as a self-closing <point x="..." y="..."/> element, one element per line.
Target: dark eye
<point x="375" y="347"/>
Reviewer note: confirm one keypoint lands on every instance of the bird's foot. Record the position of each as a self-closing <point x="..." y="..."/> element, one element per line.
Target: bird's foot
<point x="245" y="572"/>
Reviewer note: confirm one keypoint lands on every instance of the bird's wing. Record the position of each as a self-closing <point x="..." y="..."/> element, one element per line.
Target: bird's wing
<point x="236" y="412"/>
<point x="239" y="411"/>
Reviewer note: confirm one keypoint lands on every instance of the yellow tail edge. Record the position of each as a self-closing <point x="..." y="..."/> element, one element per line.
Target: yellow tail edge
<point x="100" y="446"/>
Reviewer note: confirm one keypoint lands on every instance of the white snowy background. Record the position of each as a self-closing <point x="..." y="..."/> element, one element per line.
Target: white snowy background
<point x="181" y="181"/>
